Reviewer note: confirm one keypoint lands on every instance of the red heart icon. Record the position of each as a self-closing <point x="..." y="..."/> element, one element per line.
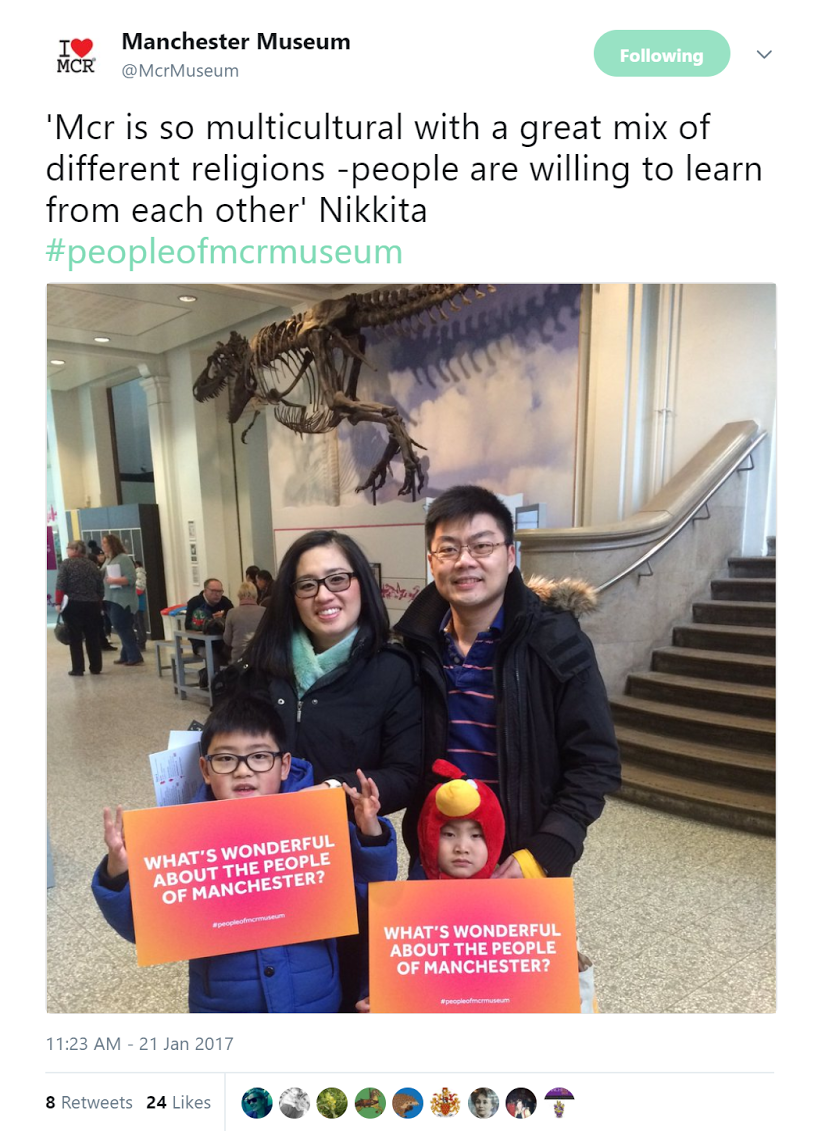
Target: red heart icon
<point x="81" y="47"/>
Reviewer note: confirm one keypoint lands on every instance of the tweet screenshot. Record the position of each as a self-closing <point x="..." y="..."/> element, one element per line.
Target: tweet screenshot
<point x="441" y="582"/>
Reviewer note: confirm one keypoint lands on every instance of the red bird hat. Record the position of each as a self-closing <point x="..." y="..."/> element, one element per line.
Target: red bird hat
<point x="459" y="798"/>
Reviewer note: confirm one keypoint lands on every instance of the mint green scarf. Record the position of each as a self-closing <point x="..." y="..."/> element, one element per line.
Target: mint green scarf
<point x="308" y="667"/>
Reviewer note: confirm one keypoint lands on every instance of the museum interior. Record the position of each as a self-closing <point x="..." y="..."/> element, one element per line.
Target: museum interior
<point x="630" y="428"/>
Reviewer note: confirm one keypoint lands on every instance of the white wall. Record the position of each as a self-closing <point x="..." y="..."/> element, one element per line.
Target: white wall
<point x="655" y="398"/>
<point x="67" y="449"/>
<point x="391" y="534"/>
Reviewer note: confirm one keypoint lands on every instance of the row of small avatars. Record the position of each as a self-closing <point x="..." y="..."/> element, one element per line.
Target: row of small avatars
<point x="407" y="1103"/>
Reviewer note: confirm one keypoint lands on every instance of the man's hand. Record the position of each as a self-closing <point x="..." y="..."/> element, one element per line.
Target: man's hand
<point x="363" y="1006"/>
<point x="508" y="869"/>
<point x="366" y="804"/>
<point x="115" y="839"/>
<point x="216" y="616"/>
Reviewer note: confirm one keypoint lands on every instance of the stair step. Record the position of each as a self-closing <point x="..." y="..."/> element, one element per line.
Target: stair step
<point x="703" y="801"/>
<point x="753" y="567"/>
<point x="737" y="768"/>
<point x="738" y="667"/>
<point x="725" y="638"/>
<point x="714" y="727"/>
<point x="744" y="588"/>
<point x="705" y="694"/>
<point x="756" y="614"/>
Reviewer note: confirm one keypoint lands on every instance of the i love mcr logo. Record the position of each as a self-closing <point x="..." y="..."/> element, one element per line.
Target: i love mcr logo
<point x="74" y="56"/>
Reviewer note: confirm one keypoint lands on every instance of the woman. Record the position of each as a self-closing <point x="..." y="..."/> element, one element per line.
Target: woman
<point x="242" y="621"/>
<point x="484" y="1103"/>
<point x="348" y="698"/>
<point x="121" y="594"/>
<point x="264" y="586"/>
<point x="81" y="582"/>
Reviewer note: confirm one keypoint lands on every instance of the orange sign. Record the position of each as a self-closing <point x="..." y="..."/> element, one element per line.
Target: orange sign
<point x="473" y="946"/>
<point x="224" y="876"/>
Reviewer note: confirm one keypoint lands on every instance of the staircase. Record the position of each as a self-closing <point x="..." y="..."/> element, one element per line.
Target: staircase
<point x="697" y="732"/>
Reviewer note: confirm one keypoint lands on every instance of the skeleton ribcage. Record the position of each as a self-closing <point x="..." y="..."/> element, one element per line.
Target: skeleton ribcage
<point x="302" y="400"/>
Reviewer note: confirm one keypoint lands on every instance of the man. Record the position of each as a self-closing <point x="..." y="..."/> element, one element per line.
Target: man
<point x="206" y="613"/>
<point x="512" y="691"/>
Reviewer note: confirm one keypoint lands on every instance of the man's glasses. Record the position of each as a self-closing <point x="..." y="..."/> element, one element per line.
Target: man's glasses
<point x="335" y="583"/>
<point x="474" y="549"/>
<point x="260" y="761"/>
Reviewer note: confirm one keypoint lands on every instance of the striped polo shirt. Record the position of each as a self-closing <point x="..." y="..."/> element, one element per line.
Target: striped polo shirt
<point x="471" y="730"/>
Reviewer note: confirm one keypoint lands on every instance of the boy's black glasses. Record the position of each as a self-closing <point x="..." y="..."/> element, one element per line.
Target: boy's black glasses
<point x="260" y="762"/>
<point x="335" y="582"/>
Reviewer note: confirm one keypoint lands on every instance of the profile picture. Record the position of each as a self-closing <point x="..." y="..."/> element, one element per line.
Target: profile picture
<point x="370" y="1103"/>
<point x="483" y="1103"/>
<point x="331" y="1103"/>
<point x="294" y="1102"/>
<point x="257" y="1103"/>
<point x="521" y="1103"/>
<point x="445" y="1103"/>
<point x="407" y="1103"/>
<point x="559" y="1094"/>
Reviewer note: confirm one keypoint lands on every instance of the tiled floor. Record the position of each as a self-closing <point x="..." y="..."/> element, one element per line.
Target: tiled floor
<point x="678" y="916"/>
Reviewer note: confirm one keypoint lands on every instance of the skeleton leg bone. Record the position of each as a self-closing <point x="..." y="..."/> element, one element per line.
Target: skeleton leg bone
<point x="400" y="442"/>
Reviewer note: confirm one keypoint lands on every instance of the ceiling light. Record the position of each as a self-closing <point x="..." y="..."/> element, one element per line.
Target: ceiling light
<point x="55" y="361"/>
<point x="187" y="298"/>
<point x="102" y="339"/>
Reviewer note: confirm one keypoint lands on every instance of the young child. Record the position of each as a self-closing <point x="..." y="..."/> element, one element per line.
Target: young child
<point x="461" y="828"/>
<point x="242" y="757"/>
<point x="461" y="835"/>
<point x="461" y="832"/>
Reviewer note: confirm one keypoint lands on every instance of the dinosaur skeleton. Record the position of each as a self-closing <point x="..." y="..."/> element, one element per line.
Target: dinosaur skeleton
<point x="317" y="355"/>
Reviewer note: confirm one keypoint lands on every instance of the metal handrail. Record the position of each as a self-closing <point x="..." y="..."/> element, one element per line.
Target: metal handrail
<point x="688" y="515"/>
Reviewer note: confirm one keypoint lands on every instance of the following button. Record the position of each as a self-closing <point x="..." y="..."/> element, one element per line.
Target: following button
<point x="661" y="54"/>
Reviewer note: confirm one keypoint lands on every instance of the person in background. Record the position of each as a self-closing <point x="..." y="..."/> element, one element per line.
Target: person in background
<point x="206" y="613"/>
<point x="264" y="587"/>
<point x="142" y="607"/>
<point x="250" y="574"/>
<point x="242" y="621"/>
<point x="96" y="555"/>
<point x="81" y="582"/>
<point x="120" y="577"/>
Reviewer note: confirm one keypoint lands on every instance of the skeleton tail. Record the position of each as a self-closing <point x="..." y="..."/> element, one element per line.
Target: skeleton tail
<point x="395" y="304"/>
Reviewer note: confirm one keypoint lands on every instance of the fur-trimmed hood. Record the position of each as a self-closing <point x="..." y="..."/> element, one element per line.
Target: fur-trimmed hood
<point x="570" y="594"/>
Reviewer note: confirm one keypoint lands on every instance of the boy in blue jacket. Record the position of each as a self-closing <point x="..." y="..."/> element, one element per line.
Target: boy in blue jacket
<point x="242" y="757"/>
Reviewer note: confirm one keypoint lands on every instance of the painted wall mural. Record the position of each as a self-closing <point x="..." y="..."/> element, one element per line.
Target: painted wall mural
<point x="491" y="393"/>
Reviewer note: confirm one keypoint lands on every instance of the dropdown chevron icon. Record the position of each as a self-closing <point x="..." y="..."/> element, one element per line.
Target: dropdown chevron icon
<point x="766" y="56"/>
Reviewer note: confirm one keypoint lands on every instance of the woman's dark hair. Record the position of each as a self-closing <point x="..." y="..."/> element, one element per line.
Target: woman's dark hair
<point x="251" y="572"/>
<point x="242" y="713"/>
<point x="270" y="649"/>
<point x="114" y="544"/>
